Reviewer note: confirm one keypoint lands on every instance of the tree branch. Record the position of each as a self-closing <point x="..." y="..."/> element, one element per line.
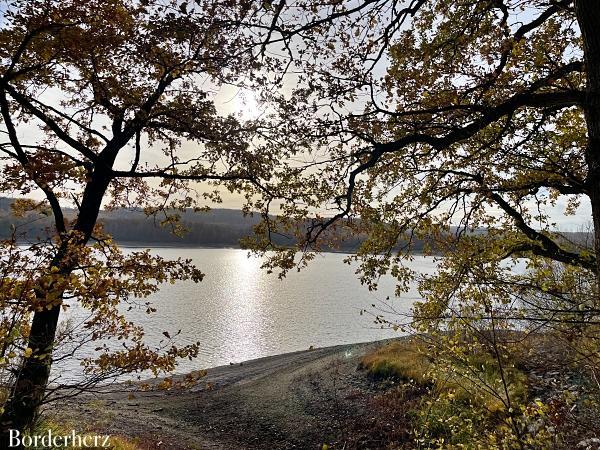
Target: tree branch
<point x="60" y="133"/>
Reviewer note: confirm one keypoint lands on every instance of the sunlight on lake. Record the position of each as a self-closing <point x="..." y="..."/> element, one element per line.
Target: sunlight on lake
<point x="240" y="312"/>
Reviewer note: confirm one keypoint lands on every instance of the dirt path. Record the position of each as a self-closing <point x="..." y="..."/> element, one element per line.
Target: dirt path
<point x="297" y="400"/>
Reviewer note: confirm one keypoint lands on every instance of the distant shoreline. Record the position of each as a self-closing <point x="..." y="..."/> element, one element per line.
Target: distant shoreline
<point x="129" y="244"/>
<point x="134" y="244"/>
<point x="150" y="245"/>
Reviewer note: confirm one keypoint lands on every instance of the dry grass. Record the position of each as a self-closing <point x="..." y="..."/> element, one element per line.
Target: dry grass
<point x="403" y="360"/>
<point x="115" y="442"/>
<point x="407" y="361"/>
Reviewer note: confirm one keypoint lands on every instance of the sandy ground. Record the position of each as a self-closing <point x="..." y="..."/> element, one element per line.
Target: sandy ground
<point x="299" y="400"/>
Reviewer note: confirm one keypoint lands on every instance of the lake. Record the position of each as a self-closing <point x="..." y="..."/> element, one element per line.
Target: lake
<point x="240" y="312"/>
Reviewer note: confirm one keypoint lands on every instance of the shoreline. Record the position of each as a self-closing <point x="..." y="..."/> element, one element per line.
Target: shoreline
<point x="265" y="363"/>
<point x="279" y="401"/>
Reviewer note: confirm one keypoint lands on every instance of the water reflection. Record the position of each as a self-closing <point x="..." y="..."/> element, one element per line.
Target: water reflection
<point x="240" y="312"/>
<point x="243" y="308"/>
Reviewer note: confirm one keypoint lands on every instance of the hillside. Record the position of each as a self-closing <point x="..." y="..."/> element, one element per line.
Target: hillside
<point x="214" y="228"/>
<point x="217" y="227"/>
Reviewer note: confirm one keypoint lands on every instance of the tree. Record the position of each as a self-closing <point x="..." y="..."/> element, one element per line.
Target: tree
<point x="97" y="99"/>
<point x="415" y="118"/>
<point x="471" y="123"/>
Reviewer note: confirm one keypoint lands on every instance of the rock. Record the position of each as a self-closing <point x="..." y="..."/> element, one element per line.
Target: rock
<point x="589" y="444"/>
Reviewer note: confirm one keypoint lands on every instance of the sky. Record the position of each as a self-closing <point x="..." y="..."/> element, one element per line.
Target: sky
<point x="232" y="100"/>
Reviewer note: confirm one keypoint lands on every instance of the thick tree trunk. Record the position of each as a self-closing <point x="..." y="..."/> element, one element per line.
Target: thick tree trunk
<point x="27" y="394"/>
<point x="22" y="408"/>
<point x="28" y="391"/>
<point x="588" y="17"/>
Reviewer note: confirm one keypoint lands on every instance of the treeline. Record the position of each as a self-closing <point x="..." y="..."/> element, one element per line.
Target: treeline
<point x="214" y="228"/>
<point x="218" y="227"/>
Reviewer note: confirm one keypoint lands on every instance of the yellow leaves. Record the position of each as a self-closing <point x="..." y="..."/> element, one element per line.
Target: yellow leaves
<point x="191" y="379"/>
<point x="25" y="330"/>
<point x="166" y="384"/>
<point x="28" y="352"/>
<point x="21" y="206"/>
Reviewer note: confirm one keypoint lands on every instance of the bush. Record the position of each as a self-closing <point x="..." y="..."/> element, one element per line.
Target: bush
<point x="464" y="403"/>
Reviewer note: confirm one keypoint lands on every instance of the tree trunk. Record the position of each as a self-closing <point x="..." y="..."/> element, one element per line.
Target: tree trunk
<point x="28" y="392"/>
<point x="22" y="408"/>
<point x="588" y="17"/>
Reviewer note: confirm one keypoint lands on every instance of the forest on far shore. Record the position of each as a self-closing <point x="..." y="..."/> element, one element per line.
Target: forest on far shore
<point x="214" y="228"/>
<point x="218" y="227"/>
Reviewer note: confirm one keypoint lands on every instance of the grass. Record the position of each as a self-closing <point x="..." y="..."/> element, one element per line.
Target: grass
<point x="458" y="398"/>
<point x="115" y="442"/>
<point x="401" y="360"/>
<point x="406" y="360"/>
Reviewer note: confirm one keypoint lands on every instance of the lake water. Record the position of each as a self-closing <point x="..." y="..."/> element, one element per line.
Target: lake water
<point x="240" y="312"/>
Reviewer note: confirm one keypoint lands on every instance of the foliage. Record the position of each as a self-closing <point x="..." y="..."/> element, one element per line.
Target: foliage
<point x="472" y="123"/>
<point x="108" y="104"/>
<point x="463" y="404"/>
